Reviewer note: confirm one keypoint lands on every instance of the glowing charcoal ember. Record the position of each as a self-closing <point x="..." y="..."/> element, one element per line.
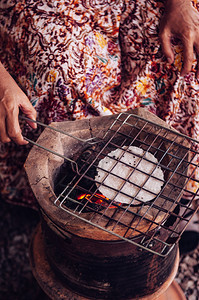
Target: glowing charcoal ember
<point x="97" y="199"/>
<point x="129" y="173"/>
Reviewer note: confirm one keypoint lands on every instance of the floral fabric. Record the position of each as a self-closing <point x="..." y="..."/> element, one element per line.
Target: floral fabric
<point x="82" y="58"/>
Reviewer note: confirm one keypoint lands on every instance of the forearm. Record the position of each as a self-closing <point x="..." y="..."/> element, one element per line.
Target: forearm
<point x="4" y="75"/>
<point x="4" y="79"/>
<point x="177" y="2"/>
<point x="6" y="82"/>
<point x="182" y="6"/>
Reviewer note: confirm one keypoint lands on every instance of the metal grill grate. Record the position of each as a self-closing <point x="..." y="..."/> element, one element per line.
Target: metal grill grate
<point x="154" y="224"/>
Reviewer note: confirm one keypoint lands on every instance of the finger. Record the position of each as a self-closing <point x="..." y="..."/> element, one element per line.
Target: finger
<point x="165" y="39"/>
<point x="18" y="139"/>
<point x="27" y="108"/>
<point x="13" y="127"/>
<point x="188" y="54"/>
<point x="196" y="47"/>
<point x="3" y="133"/>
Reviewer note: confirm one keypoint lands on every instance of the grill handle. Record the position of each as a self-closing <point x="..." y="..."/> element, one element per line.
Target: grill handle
<point x="90" y="141"/>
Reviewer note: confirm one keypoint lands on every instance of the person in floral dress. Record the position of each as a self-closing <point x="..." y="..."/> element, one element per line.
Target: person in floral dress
<point x="68" y="60"/>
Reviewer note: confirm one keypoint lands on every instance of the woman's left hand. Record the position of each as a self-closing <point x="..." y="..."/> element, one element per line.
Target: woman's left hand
<point x="180" y="20"/>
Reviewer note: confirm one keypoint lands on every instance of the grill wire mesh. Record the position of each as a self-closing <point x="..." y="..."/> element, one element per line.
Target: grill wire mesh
<point x="155" y="225"/>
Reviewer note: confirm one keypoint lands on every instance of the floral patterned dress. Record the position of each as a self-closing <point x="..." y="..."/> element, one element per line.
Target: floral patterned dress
<point x="81" y="58"/>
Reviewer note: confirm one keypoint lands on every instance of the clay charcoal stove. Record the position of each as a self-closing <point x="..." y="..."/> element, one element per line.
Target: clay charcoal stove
<point x="109" y="190"/>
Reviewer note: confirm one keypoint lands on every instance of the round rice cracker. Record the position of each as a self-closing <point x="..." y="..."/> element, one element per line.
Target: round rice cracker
<point x="129" y="175"/>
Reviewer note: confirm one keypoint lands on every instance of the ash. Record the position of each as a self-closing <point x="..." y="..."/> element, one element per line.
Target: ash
<point x="16" y="280"/>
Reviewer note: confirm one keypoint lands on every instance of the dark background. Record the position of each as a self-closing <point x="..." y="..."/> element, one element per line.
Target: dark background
<point x="16" y="279"/>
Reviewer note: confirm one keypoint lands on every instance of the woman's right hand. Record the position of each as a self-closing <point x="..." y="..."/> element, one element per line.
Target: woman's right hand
<point x="13" y="99"/>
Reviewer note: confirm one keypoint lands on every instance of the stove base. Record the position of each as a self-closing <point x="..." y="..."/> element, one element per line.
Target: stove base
<point x="56" y="290"/>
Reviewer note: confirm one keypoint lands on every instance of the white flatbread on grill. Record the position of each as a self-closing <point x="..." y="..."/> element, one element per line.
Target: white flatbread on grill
<point x="129" y="174"/>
